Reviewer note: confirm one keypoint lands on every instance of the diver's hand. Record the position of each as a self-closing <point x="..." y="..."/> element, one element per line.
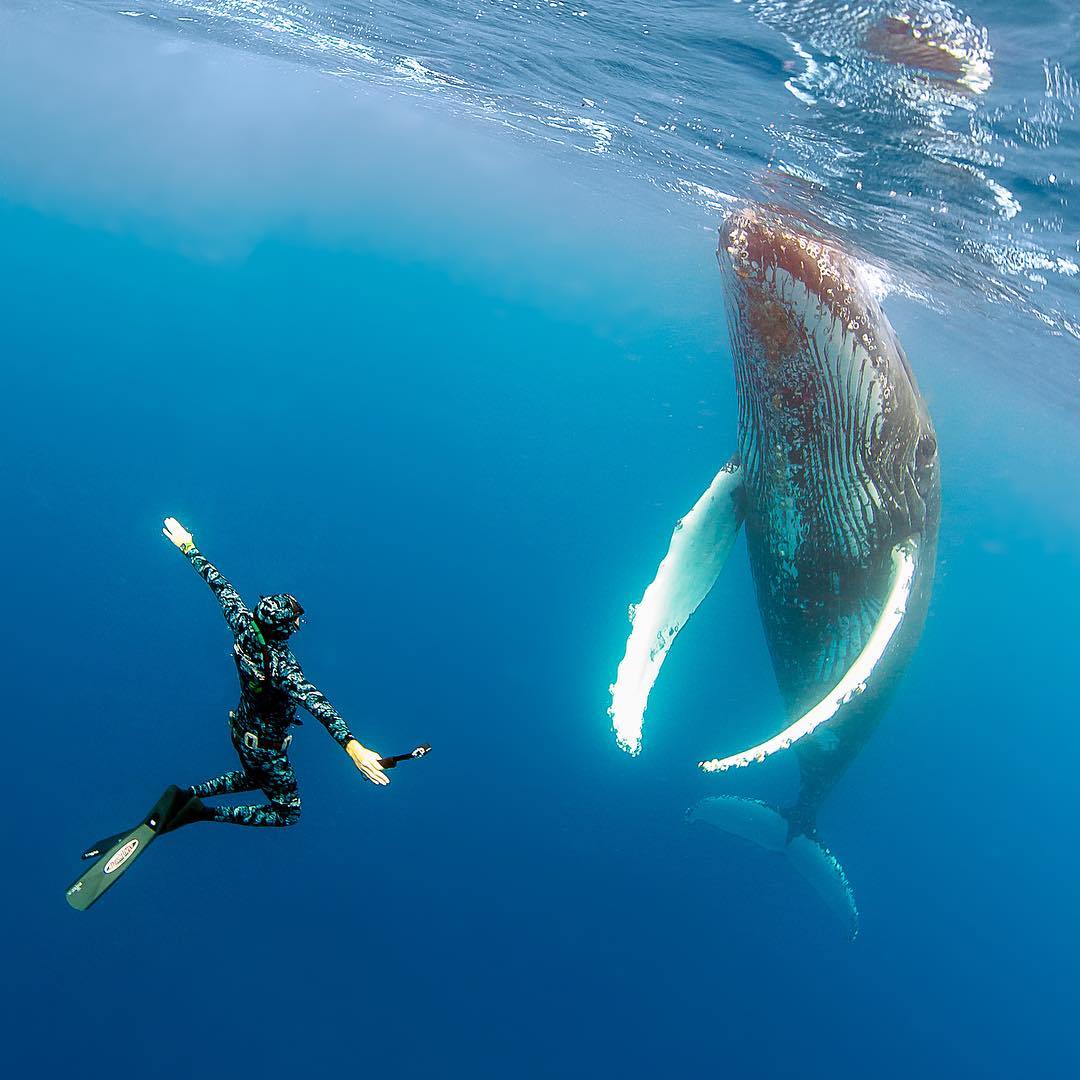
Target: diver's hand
<point x="367" y="761"/>
<point x="178" y="535"/>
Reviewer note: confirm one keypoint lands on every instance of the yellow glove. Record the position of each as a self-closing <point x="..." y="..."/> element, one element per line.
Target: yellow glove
<point x="367" y="761"/>
<point x="175" y="533"/>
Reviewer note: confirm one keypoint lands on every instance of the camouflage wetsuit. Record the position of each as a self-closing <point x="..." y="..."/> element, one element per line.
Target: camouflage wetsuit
<point x="272" y="686"/>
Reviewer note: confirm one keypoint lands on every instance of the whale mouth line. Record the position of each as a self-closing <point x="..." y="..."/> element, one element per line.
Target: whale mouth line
<point x="855" y="679"/>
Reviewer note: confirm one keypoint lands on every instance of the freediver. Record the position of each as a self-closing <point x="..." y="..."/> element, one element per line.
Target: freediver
<point x="272" y="688"/>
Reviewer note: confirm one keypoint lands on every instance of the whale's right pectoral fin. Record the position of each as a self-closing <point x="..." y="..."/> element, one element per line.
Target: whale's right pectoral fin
<point x="699" y="548"/>
<point x="857" y="677"/>
<point x="769" y="829"/>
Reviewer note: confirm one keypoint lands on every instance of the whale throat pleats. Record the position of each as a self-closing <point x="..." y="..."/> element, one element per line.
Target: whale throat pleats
<point x="698" y="550"/>
<point x="857" y="676"/>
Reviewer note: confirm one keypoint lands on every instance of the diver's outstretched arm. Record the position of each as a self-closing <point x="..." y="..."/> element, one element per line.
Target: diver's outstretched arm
<point x="308" y="696"/>
<point x="236" y="612"/>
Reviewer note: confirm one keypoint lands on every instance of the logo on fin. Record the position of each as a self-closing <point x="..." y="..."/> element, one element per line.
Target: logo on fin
<point x="122" y="856"/>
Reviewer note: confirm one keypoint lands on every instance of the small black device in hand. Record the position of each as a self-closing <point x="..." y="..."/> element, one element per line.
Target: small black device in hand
<point x="392" y="762"/>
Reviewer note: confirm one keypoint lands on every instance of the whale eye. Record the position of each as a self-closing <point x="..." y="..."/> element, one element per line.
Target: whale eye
<point x="926" y="448"/>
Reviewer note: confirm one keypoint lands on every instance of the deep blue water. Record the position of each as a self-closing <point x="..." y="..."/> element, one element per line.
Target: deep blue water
<point x="452" y="384"/>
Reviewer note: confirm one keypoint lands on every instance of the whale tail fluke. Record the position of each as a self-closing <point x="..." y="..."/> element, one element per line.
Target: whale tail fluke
<point x="779" y="832"/>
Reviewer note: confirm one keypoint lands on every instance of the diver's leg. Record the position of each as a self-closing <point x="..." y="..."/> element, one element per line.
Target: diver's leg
<point x="247" y="778"/>
<point x="273" y="773"/>
<point x="238" y="780"/>
<point x="269" y="815"/>
<point x="227" y="784"/>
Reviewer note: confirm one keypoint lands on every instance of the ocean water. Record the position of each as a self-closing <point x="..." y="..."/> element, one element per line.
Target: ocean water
<point x="413" y="310"/>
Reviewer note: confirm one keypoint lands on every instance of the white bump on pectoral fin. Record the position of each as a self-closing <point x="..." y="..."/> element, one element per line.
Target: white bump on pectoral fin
<point x="857" y="676"/>
<point x="699" y="548"/>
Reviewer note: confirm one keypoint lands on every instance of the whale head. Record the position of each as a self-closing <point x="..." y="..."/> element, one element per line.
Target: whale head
<point x="838" y="446"/>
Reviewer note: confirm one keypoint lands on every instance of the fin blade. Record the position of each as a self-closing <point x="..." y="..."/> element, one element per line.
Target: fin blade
<point x="89" y="888"/>
<point x="854" y="679"/>
<point x="101" y="846"/>
<point x="125" y="849"/>
<point x="699" y="547"/>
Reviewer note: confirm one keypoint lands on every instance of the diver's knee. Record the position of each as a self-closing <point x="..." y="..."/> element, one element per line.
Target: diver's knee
<point x="290" y="814"/>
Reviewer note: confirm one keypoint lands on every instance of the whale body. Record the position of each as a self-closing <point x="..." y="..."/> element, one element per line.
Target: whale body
<point x="836" y="478"/>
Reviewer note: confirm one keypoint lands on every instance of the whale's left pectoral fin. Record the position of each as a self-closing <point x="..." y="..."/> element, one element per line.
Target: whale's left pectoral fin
<point x="856" y="678"/>
<point x="699" y="548"/>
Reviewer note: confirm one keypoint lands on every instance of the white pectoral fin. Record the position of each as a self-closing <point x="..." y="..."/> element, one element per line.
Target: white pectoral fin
<point x="855" y="678"/>
<point x="767" y="828"/>
<point x="699" y="548"/>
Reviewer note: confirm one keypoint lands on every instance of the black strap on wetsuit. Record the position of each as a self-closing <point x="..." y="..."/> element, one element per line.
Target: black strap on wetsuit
<point x="256" y="680"/>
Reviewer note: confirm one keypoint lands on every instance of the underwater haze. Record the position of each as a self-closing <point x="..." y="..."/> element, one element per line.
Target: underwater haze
<point x="413" y="310"/>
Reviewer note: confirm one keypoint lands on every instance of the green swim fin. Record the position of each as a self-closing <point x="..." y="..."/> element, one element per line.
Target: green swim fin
<point x="101" y="846"/>
<point x="171" y="810"/>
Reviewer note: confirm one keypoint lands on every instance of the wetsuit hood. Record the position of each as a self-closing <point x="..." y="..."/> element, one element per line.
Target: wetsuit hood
<point x="278" y="616"/>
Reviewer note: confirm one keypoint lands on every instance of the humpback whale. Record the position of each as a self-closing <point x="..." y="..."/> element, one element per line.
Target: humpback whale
<point x="835" y="477"/>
